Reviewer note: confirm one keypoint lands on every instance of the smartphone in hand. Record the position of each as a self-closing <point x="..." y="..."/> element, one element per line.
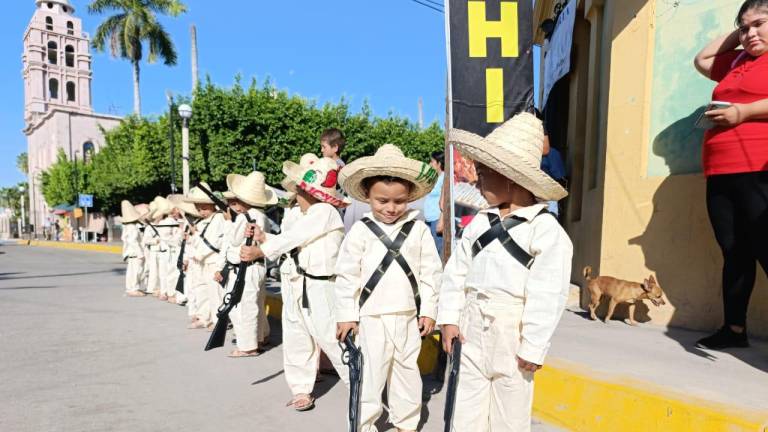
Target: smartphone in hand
<point x="704" y="122"/>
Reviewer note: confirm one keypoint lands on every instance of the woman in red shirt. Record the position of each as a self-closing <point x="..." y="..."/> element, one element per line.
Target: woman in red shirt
<point x="735" y="157"/>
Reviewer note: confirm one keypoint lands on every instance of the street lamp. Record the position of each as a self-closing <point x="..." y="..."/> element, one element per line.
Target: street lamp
<point x="185" y="112"/>
<point x="22" y="221"/>
<point x="169" y="96"/>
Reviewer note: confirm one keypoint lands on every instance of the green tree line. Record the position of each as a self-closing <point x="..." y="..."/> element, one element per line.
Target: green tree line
<point x="232" y="130"/>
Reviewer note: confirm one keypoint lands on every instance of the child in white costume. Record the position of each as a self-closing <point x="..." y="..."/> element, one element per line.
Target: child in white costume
<point x="155" y="247"/>
<point x="209" y="234"/>
<point x="133" y="252"/>
<point x="171" y="233"/>
<point x="384" y="298"/>
<point x="248" y="317"/>
<point x="313" y="242"/>
<point x="186" y="217"/>
<point x="504" y="289"/>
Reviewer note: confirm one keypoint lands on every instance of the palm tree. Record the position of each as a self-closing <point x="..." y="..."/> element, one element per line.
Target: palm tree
<point x="134" y="25"/>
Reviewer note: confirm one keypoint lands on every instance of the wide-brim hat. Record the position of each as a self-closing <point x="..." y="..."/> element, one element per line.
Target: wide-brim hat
<point x="514" y="150"/>
<point x="228" y="195"/>
<point x="180" y="203"/>
<point x="289" y="196"/>
<point x="129" y="213"/>
<point x="316" y="176"/>
<point x="163" y="207"/>
<point x="388" y="161"/>
<point x="143" y="210"/>
<point x="252" y="189"/>
<point x="197" y="196"/>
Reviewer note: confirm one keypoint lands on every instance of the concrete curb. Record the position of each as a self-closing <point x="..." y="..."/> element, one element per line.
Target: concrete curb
<point x="579" y="399"/>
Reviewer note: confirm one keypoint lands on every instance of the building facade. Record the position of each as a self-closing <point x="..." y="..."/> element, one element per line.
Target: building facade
<point x="624" y="117"/>
<point x="58" y="103"/>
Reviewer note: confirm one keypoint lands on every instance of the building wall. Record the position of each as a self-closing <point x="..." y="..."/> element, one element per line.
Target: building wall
<point x="642" y="203"/>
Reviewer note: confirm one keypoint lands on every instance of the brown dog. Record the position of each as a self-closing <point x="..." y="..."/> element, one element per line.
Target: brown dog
<point x="620" y="291"/>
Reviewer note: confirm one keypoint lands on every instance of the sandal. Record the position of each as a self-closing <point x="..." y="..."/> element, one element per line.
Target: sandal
<point x="197" y="325"/>
<point x="135" y="294"/>
<point x="238" y="354"/>
<point x="302" y="402"/>
<point x="163" y="297"/>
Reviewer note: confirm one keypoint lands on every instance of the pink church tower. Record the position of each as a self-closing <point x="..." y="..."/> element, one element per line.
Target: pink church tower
<point x="58" y="105"/>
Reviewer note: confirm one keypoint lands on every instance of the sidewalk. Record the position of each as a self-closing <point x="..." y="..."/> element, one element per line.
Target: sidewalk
<point x="614" y="377"/>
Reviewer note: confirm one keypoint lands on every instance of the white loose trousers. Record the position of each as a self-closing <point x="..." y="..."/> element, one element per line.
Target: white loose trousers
<point x="493" y="394"/>
<point x="390" y="344"/>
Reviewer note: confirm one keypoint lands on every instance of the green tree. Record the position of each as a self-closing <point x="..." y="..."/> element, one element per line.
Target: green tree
<point x="10" y="197"/>
<point x="134" y="25"/>
<point x="22" y="164"/>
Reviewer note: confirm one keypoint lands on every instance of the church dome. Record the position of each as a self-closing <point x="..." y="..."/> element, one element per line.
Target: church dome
<point x="66" y="6"/>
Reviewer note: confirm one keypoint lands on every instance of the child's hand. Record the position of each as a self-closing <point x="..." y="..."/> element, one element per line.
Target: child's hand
<point x="253" y="230"/>
<point x="250" y="253"/>
<point x="218" y="277"/>
<point x="449" y="332"/>
<point x="343" y="328"/>
<point x="426" y="325"/>
<point x="527" y="366"/>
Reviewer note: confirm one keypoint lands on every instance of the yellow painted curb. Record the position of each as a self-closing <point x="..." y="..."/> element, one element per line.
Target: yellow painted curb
<point x="93" y="247"/>
<point x="574" y="398"/>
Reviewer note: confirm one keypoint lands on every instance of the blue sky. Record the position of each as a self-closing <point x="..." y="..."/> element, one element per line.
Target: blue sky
<point x="390" y="52"/>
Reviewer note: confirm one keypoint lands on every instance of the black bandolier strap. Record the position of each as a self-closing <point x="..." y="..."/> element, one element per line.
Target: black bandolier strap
<point x="499" y="230"/>
<point x="304" y="299"/>
<point x="205" y="240"/>
<point x="393" y="254"/>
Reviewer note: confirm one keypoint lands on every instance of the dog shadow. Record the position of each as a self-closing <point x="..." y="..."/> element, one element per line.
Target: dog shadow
<point x="620" y="314"/>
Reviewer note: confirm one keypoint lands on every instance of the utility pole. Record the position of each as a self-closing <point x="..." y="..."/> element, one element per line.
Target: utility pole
<point x="421" y="113"/>
<point x="193" y="37"/>
<point x="169" y="95"/>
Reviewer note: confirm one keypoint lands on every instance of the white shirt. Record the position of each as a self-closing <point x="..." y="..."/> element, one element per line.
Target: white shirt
<point x="131" y="238"/>
<point x="170" y="233"/>
<point x="152" y="240"/>
<point x="360" y="255"/>
<point x="318" y="233"/>
<point x="495" y="272"/>
<point x="236" y="238"/>
<point x="214" y="227"/>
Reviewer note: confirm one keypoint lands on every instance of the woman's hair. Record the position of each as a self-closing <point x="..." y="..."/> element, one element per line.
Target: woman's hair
<point x="748" y="6"/>
<point x="368" y="182"/>
<point x="439" y="156"/>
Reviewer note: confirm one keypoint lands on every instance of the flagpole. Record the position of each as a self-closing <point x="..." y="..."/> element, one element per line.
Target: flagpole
<point x="449" y="216"/>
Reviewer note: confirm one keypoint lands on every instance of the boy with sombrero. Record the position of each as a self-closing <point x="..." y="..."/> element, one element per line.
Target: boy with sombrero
<point x="250" y="195"/>
<point x="388" y="275"/>
<point x="133" y="253"/>
<point x="505" y="286"/>
<point x="188" y="214"/>
<point x="171" y="230"/>
<point x="313" y="242"/>
<point x="156" y="248"/>
<point x="208" y="237"/>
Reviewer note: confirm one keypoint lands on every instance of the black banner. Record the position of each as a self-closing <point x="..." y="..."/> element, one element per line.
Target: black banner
<point x="491" y="62"/>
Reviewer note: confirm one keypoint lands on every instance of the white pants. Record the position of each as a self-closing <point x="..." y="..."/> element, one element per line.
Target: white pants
<point x="306" y="332"/>
<point x="263" y="325"/>
<point x="249" y="330"/>
<point x="190" y="290"/>
<point x="163" y="266"/>
<point x="390" y="345"/>
<point x="133" y="274"/>
<point x="172" y="272"/>
<point x="213" y="290"/>
<point x="493" y="394"/>
<point x="153" y="268"/>
<point x="144" y="278"/>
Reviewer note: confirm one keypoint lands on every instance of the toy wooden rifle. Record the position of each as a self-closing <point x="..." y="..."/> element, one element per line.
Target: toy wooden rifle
<point x="180" y="263"/>
<point x="453" y="382"/>
<point x="231" y="299"/>
<point x="218" y="202"/>
<point x="352" y="357"/>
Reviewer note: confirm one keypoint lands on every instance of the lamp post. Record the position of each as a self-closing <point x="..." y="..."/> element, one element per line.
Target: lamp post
<point x="22" y="221"/>
<point x="169" y="95"/>
<point x="185" y="111"/>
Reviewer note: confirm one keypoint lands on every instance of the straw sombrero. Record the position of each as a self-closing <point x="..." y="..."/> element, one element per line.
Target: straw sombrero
<point x="514" y="150"/>
<point x="163" y="207"/>
<point x="143" y="210"/>
<point x="388" y="161"/>
<point x="197" y="196"/>
<point x="228" y="195"/>
<point x="316" y="176"/>
<point x="180" y="203"/>
<point x="129" y="213"/>
<point x="289" y="196"/>
<point x="252" y="189"/>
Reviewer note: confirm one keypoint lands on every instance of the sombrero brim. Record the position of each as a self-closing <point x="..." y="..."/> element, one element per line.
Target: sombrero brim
<point x="509" y="164"/>
<point x="186" y="207"/>
<point x="421" y="175"/>
<point x="198" y="200"/>
<point x="235" y="181"/>
<point x="293" y="172"/>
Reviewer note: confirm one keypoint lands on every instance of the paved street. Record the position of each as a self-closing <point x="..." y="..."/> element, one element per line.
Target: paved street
<point x="79" y="356"/>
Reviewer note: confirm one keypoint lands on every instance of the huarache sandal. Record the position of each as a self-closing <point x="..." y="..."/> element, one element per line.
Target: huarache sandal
<point x="238" y="354"/>
<point x="302" y="402"/>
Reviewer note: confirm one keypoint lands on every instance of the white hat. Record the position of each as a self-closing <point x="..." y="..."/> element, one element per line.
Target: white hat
<point x="129" y="213"/>
<point x="187" y="208"/>
<point x="388" y="161"/>
<point x="163" y="207"/>
<point x="143" y="210"/>
<point x="514" y="150"/>
<point x="316" y="176"/>
<point x="252" y="189"/>
<point x="197" y="196"/>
